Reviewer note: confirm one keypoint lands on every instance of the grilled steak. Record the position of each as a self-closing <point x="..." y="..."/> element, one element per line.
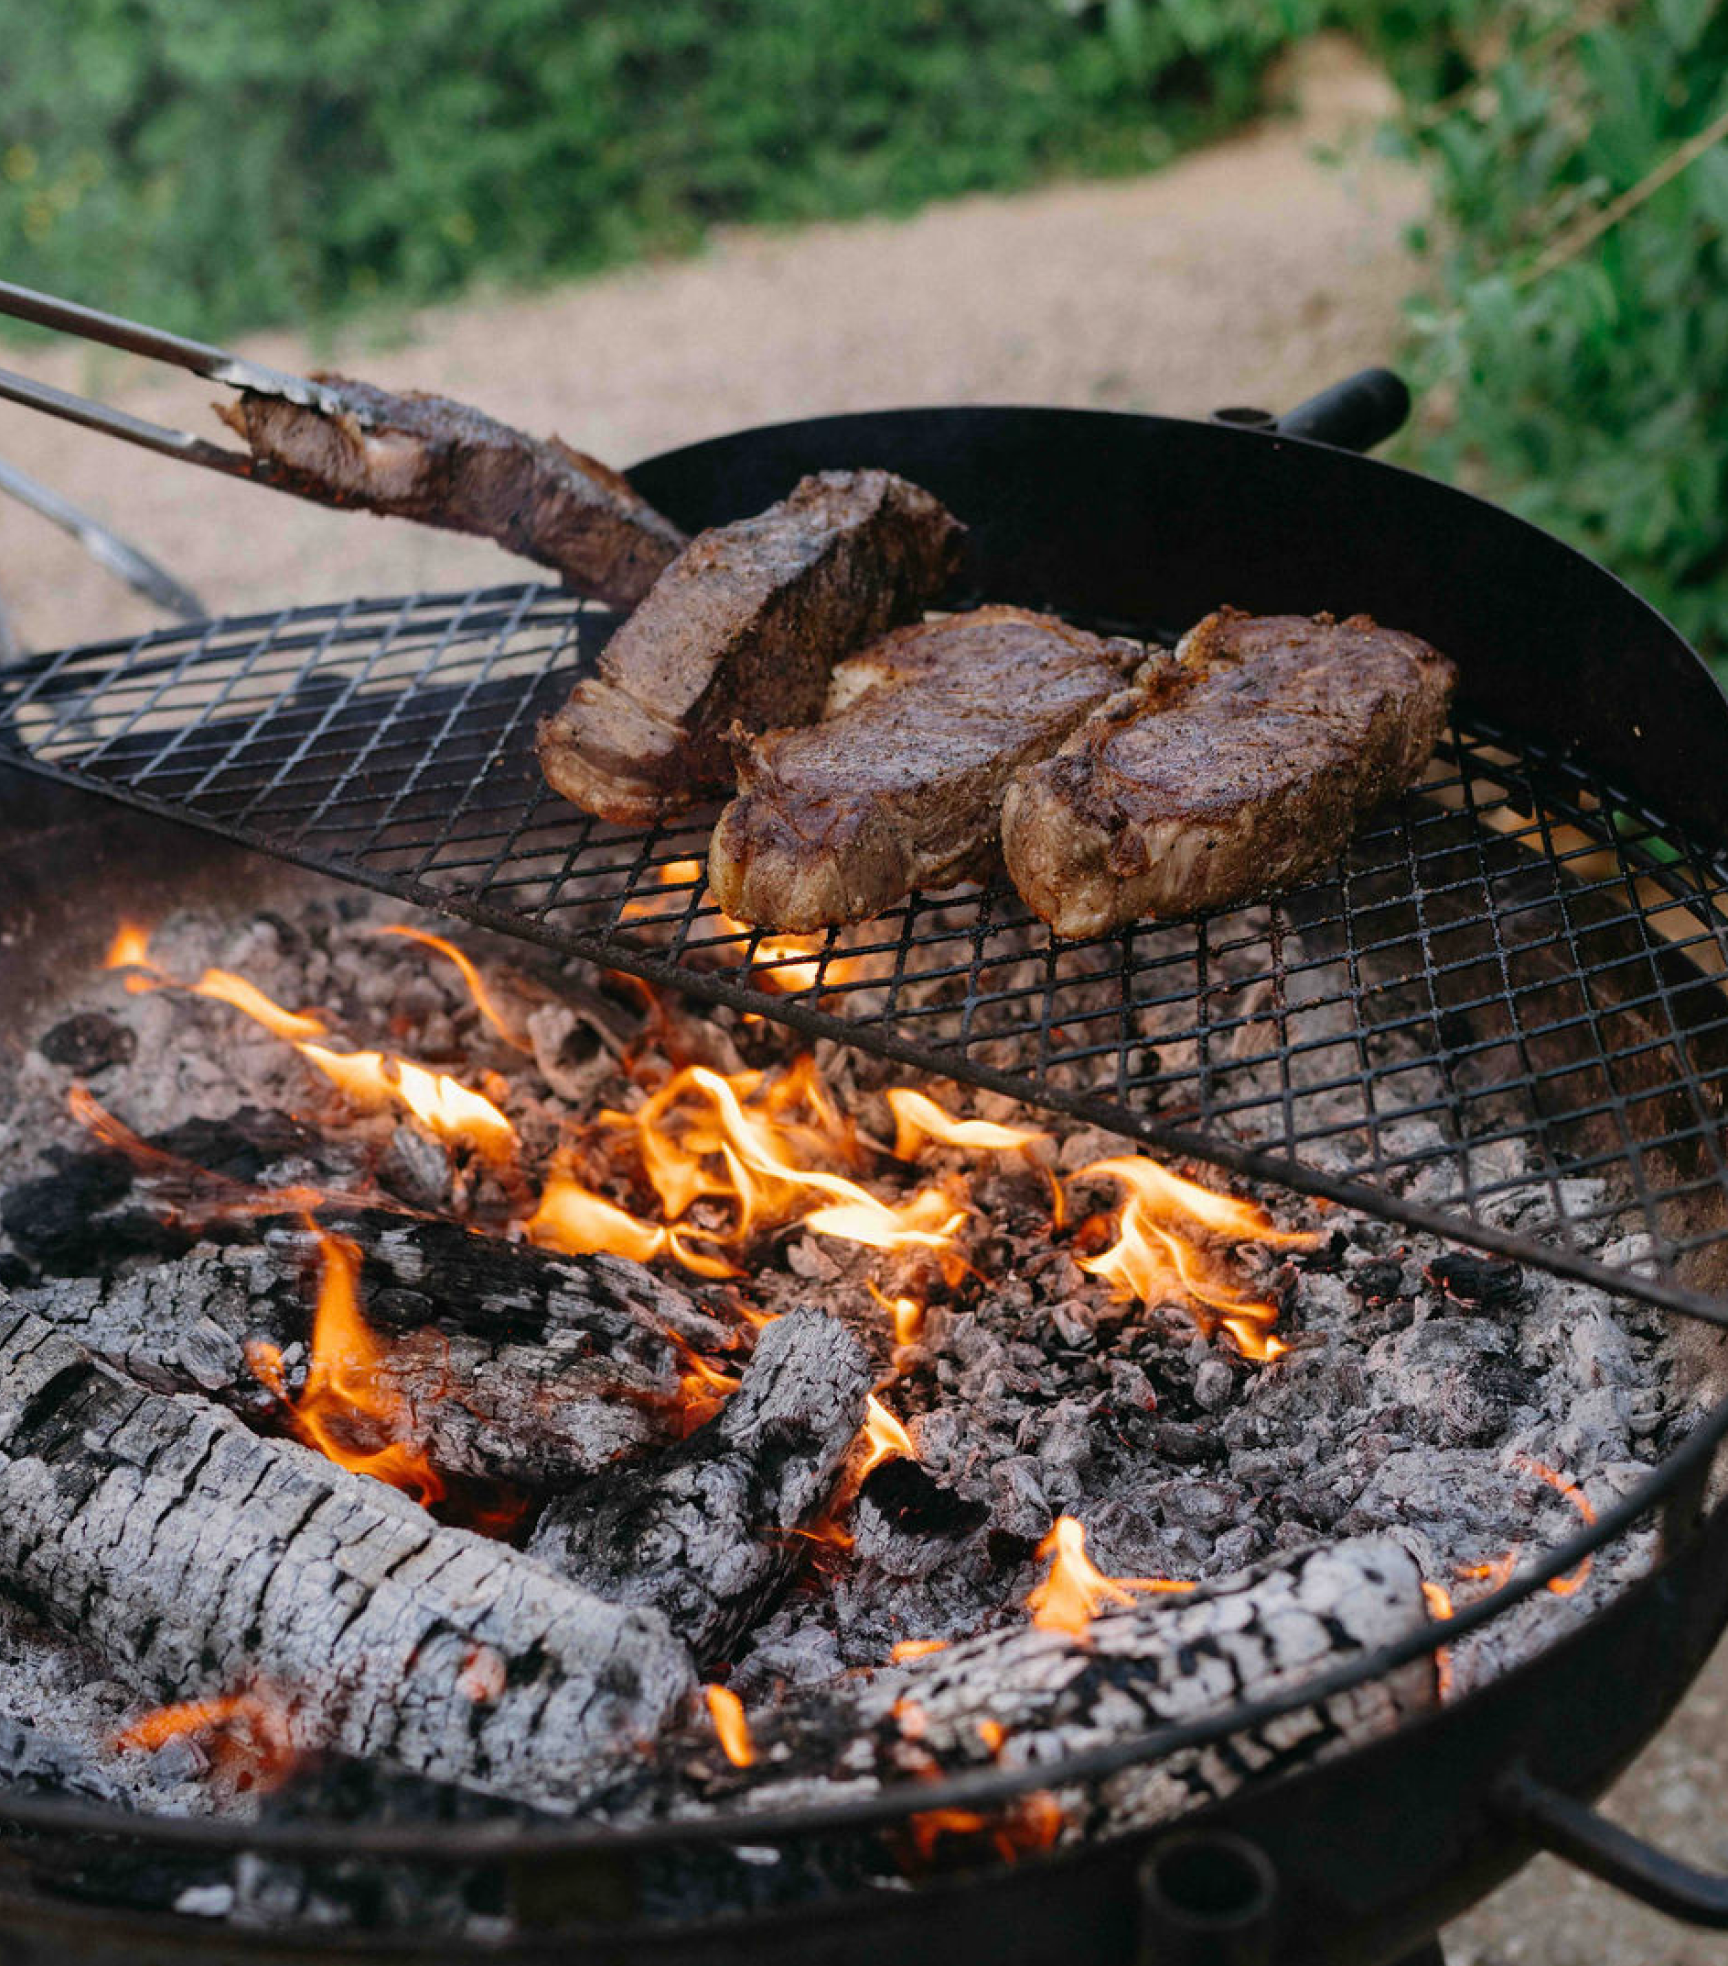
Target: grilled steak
<point x="425" y="457"/>
<point x="1228" y="773"/>
<point x="901" y="784"/>
<point x="744" y="627"/>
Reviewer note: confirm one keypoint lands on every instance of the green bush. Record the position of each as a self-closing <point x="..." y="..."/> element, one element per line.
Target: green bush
<point x="1581" y="375"/>
<point x="212" y="166"/>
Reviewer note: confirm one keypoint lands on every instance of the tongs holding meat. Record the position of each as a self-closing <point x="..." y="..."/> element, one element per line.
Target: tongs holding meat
<point x="412" y="456"/>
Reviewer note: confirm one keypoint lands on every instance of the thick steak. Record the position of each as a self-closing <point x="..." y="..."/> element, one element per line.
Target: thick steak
<point x="425" y="457"/>
<point x="1232" y="772"/>
<point x="744" y="627"/>
<point x="901" y="785"/>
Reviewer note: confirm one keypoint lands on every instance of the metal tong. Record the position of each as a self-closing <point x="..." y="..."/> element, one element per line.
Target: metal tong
<point x="215" y="364"/>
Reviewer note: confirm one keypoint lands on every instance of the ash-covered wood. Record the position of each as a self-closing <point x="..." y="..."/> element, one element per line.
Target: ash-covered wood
<point x="196" y="1554"/>
<point x="706" y="1532"/>
<point x="1024" y="1696"/>
<point x="92" y="1213"/>
<point x="510" y="1364"/>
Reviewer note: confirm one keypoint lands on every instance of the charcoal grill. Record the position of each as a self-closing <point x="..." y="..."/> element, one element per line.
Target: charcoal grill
<point x="1542" y="925"/>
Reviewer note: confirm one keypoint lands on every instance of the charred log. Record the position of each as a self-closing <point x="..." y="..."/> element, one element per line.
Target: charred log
<point x="1026" y="1696"/>
<point x="196" y="1553"/>
<point x="510" y="1364"/>
<point x="707" y="1532"/>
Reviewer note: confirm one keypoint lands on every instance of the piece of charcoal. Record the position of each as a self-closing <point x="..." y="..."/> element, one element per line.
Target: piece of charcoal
<point x="1491" y="1284"/>
<point x="87" y="1042"/>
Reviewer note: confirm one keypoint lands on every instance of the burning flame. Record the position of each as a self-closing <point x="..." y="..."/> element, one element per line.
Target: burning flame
<point x="483" y="999"/>
<point x="1153" y="1263"/>
<point x="579" y="1222"/>
<point x="348" y="1396"/>
<point x="884" y="1438"/>
<point x="451" y="1110"/>
<point x="1075" y="1590"/>
<point x="783" y="956"/>
<point x="1439" y="1601"/>
<point x="905" y="1313"/>
<point x="732" y="1729"/>
<point x="370" y="1078"/>
<point x="246" y="1735"/>
<point x="708" y="1137"/>
<point x="918" y="1117"/>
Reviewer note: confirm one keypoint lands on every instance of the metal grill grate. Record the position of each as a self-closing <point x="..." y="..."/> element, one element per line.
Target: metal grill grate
<point x="1498" y="1019"/>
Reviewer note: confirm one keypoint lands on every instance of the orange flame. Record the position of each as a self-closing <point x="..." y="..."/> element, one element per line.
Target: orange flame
<point x="348" y="1396"/>
<point x="883" y="1436"/>
<point x="370" y="1078"/>
<point x="246" y="1735"/>
<point x="579" y="1222"/>
<point x="730" y="1727"/>
<point x="1153" y="1263"/>
<point x="444" y="1106"/>
<point x="1439" y="1602"/>
<point x="1029" y="1823"/>
<point x="918" y="1117"/>
<point x="483" y="998"/>
<point x="704" y="1136"/>
<point x="1075" y="1590"/>
<point x="905" y="1313"/>
<point x="779" y="954"/>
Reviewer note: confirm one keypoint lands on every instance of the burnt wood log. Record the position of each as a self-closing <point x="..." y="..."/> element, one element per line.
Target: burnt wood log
<point x="196" y="1554"/>
<point x="706" y="1531"/>
<point x="510" y="1364"/>
<point x="1025" y="1696"/>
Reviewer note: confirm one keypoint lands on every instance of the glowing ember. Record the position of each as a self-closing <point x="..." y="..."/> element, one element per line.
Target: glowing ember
<point x="883" y="1436"/>
<point x="730" y="1726"/>
<point x="1563" y="1586"/>
<point x="349" y="1399"/>
<point x="484" y="1675"/>
<point x="1154" y="1264"/>
<point x="917" y="1117"/>
<point x="246" y="1736"/>
<point x="1439" y="1602"/>
<point x="1075" y="1590"/>
<point x="992" y="1733"/>
<point x="483" y="999"/>
<point x="915" y="1648"/>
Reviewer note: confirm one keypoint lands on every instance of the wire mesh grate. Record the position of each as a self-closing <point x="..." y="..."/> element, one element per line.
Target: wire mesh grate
<point x="1498" y="1017"/>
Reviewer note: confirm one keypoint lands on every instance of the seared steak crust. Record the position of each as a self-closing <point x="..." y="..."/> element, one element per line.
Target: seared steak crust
<point x="901" y="785"/>
<point x="1230" y="772"/>
<point x="425" y="457"/>
<point x="744" y="627"/>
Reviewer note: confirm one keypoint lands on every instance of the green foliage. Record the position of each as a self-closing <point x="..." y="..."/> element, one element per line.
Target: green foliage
<point x="1584" y="381"/>
<point x="211" y="165"/>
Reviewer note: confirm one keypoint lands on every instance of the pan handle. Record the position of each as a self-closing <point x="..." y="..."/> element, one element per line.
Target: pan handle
<point x="1353" y="415"/>
<point x="1573" y="1830"/>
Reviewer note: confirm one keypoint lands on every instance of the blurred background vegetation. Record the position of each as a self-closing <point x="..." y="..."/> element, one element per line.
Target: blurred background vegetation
<point x="216" y="167"/>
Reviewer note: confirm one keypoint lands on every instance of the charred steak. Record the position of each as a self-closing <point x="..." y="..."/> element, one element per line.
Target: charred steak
<point x="744" y="627"/>
<point x="425" y="457"/>
<point x="1230" y="772"/>
<point x="901" y="784"/>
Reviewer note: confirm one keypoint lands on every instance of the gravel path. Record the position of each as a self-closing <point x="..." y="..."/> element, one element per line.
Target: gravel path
<point x="1249" y="272"/>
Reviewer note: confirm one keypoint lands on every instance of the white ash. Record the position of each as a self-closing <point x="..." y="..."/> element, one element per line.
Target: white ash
<point x="1030" y="1392"/>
